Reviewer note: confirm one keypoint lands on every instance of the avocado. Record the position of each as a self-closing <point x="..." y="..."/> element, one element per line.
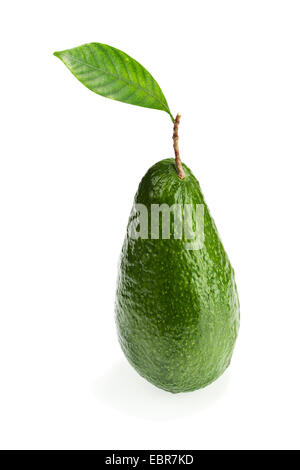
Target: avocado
<point x="177" y="307"/>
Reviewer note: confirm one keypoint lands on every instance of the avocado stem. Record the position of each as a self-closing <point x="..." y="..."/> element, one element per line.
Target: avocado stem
<point x="180" y="170"/>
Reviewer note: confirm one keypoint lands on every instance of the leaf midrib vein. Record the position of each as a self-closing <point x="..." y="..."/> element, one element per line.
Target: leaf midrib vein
<point x="118" y="77"/>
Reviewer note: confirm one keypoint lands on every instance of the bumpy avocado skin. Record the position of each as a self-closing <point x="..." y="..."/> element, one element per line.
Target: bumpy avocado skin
<point x="177" y="310"/>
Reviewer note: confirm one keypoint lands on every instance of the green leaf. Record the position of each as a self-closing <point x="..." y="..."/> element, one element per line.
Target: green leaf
<point x="112" y="73"/>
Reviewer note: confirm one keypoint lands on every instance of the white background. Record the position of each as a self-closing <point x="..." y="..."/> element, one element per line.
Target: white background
<point x="70" y="164"/>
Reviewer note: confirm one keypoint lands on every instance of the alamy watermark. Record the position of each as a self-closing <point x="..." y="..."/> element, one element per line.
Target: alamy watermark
<point x="164" y="222"/>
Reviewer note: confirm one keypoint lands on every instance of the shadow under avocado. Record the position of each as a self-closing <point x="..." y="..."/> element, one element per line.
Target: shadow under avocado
<point x="124" y="390"/>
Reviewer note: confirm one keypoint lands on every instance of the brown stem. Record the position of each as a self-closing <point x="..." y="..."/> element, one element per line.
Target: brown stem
<point x="180" y="170"/>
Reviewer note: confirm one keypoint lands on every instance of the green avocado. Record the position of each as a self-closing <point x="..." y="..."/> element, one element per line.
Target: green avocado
<point x="177" y="307"/>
